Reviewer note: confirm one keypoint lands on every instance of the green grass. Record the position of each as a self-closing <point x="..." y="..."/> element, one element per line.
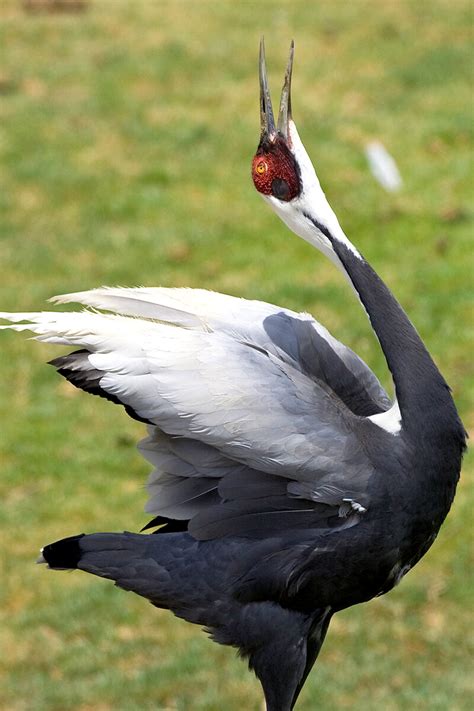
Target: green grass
<point x="126" y="134"/>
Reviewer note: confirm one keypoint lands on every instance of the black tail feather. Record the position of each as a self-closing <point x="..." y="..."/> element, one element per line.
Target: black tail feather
<point x="64" y="554"/>
<point x="131" y="560"/>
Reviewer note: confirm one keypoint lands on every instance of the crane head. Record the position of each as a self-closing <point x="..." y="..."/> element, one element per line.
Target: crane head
<point x="275" y="170"/>
<point x="284" y="175"/>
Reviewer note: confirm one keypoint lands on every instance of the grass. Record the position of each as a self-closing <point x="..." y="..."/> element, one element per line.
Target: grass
<point x="126" y="136"/>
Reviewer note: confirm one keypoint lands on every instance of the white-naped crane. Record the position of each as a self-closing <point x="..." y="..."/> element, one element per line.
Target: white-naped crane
<point x="286" y="484"/>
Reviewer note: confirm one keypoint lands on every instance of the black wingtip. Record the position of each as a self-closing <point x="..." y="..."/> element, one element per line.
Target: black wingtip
<point x="63" y="554"/>
<point x="167" y="525"/>
<point x="77" y="369"/>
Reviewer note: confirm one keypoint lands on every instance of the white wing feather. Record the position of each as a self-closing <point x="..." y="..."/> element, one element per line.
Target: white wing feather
<point x="246" y="403"/>
<point x="239" y="318"/>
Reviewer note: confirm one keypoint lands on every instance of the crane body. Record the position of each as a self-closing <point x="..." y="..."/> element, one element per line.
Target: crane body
<point x="287" y="485"/>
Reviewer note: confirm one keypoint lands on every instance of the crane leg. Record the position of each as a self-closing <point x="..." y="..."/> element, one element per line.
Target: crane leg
<point x="313" y="647"/>
<point x="281" y="645"/>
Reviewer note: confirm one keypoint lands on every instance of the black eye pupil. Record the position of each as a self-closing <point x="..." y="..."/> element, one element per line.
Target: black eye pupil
<point x="280" y="189"/>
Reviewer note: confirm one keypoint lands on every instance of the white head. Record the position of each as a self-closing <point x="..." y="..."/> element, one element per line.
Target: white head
<point x="283" y="174"/>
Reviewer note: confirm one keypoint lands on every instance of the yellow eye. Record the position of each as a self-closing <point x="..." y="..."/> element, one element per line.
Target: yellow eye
<point x="261" y="168"/>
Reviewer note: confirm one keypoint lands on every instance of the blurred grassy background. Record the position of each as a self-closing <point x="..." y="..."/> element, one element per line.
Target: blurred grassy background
<point x="126" y="137"/>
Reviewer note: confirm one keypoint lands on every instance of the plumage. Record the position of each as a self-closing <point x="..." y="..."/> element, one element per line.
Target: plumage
<point x="296" y="338"/>
<point x="286" y="484"/>
<point x="243" y="403"/>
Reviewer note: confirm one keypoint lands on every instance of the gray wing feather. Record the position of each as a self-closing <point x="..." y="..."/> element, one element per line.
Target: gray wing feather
<point x="180" y="497"/>
<point x="233" y="412"/>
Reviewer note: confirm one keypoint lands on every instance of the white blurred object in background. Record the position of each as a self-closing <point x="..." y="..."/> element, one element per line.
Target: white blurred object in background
<point x="383" y="166"/>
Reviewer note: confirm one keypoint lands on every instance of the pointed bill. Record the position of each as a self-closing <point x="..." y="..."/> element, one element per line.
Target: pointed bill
<point x="267" y="121"/>
<point x="284" y="114"/>
<point x="268" y="129"/>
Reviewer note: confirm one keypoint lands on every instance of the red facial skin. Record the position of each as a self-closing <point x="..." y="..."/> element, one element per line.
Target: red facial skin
<point x="274" y="172"/>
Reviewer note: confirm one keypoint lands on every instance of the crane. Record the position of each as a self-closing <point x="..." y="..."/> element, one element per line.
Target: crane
<point x="286" y="484"/>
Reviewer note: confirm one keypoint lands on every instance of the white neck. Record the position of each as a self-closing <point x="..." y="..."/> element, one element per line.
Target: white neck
<point x="416" y="377"/>
<point x="310" y="208"/>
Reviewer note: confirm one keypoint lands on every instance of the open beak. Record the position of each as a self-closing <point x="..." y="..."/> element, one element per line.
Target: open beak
<point x="267" y="121"/>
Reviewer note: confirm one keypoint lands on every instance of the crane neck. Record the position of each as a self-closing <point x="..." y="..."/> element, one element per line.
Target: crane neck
<point x="418" y="382"/>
